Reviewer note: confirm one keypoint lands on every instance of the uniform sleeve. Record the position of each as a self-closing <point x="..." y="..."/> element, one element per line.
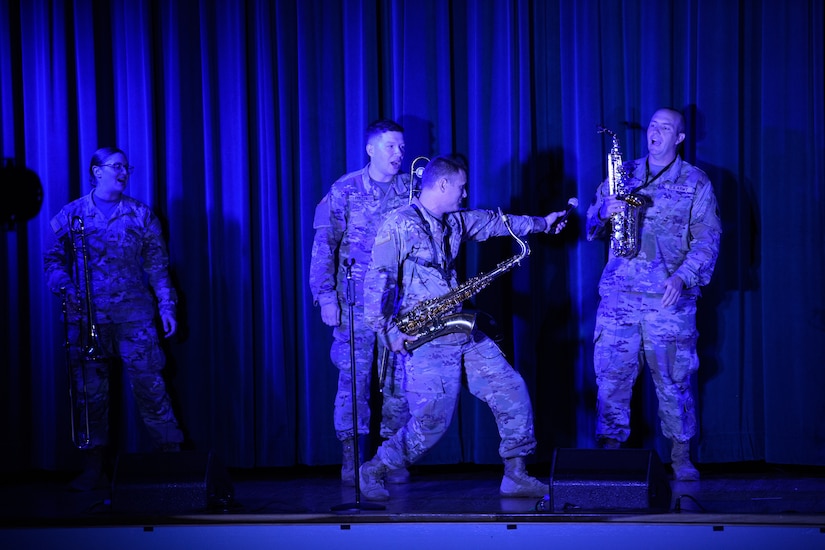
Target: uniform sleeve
<point x="480" y="225"/>
<point x="596" y="226"/>
<point x="156" y="266"/>
<point x="57" y="258"/>
<point x="381" y="283"/>
<point x="329" y="230"/>
<point x="705" y="236"/>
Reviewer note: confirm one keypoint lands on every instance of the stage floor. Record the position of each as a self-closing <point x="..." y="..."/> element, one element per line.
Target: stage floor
<point x="758" y="505"/>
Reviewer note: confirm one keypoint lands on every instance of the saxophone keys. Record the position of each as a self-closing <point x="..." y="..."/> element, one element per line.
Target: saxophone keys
<point x="633" y="200"/>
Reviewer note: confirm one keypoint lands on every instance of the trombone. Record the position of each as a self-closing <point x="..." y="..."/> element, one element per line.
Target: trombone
<point x="80" y="436"/>
<point x="416" y="173"/>
<point x="91" y="349"/>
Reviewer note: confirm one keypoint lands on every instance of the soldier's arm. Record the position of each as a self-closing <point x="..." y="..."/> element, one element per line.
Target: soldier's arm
<point x="598" y="213"/>
<point x="329" y="230"/>
<point x="156" y="266"/>
<point x="58" y="260"/>
<point x="381" y="287"/>
<point x="705" y="236"/>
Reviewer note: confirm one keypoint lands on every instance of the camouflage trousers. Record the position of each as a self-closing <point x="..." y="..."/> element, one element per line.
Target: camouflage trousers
<point x="368" y="352"/>
<point x="634" y="328"/>
<point x="433" y="383"/>
<point x="137" y="347"/>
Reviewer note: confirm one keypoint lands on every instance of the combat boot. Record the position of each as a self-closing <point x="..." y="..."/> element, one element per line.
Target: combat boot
<point x="169" y="448"/>
<point x="92" y="476"/>
<point x="348" y="459"/>
<point x="609" y="443"/>
<point x="348" y="462"/>
<point x="517" y="483"/>
<point x="398" y="476"/>
<point x="683" y="469"/>
<point x="371" y="480"/>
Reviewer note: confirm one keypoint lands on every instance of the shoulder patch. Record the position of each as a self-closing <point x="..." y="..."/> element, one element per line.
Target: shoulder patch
<point x="60" y="224"/>
<point x="381" y="239"/>
<point x="322" y="216"/>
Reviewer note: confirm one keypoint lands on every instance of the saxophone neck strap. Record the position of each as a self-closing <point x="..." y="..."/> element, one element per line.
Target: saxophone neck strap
<point x="648" y="179"/>
<point x="444" y="267"/>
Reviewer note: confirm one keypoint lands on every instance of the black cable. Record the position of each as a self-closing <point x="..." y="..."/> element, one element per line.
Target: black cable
<point x="678" y="506"/>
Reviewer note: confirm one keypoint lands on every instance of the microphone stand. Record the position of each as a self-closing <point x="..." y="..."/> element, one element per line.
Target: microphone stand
<point x="357" y="505"/>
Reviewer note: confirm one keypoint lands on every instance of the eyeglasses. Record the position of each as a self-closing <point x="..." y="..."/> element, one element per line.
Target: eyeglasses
<point x="118" y="166"/>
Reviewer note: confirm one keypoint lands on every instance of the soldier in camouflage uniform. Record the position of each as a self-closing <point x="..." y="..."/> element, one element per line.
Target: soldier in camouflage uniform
<point x="124" y="246"/>
<point x="647" y="311"/>
<point x="412" y="261"/>
<point x="345" y="223"/>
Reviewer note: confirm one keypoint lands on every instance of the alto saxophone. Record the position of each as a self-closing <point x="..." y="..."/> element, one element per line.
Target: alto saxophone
<point x="437" y="317"/>
<point x="624" y="225"/>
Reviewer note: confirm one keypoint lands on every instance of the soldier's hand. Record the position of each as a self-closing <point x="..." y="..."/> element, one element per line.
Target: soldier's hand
<point x="170" y="324"/>
<point x="70" y="295"/>
<point x="610" y="206"/>
<point x="673" y="289"/>
<point x="551" y="219"/>
<point x="331" y="315"/>
<point x="397" y="345"/>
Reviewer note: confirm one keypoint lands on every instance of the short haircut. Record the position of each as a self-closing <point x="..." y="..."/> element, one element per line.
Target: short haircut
<point x="99" y="157"/>
<point x="680" y="123"/>
<point x="442" y="166"/>
<point x="382" y="127"/>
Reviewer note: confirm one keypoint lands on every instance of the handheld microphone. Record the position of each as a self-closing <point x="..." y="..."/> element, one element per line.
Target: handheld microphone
<point x="571" y="205"/>
<point x="419" y="172"/>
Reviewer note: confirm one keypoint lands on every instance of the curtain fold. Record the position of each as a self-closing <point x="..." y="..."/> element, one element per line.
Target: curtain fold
<point x="240" y="115"/>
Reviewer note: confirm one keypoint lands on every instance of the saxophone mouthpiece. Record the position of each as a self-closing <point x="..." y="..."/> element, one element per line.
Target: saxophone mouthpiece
<point x="604" y="130"/>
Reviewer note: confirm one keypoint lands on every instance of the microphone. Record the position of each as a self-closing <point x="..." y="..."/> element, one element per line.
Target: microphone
<point x="571" y="205"/>
<point x="419" y="172"/>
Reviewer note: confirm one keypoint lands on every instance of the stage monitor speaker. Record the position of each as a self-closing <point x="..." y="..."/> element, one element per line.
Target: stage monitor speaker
<point x="161" y="484"/>
<point x="608" y="480"/>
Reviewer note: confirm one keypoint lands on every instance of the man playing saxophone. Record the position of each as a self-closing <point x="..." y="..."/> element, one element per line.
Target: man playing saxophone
<point x="105" y="287"/>
<point x="412" y="261"/>
<point x="647" y="312"/>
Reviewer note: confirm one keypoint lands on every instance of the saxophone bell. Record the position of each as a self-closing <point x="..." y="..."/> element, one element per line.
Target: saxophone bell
<point x="455" y="323"/>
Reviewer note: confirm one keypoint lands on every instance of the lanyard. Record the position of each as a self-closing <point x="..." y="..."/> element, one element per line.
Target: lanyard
<point x="648" y="179"/>
<point x="445" y="267"/>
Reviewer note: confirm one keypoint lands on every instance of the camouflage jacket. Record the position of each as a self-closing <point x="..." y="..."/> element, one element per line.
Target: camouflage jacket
<point x="679" y="234"/>
<point x="413" y="258"/>
<point x="345" y="223"/>
<point x="124" y="252"/>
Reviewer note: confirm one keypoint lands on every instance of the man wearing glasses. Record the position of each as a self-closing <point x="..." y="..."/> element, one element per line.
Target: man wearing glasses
<point x="106" y="246"/>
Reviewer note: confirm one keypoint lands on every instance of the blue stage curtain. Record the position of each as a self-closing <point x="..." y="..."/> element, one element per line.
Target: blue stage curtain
<point x="239" y="116"/>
